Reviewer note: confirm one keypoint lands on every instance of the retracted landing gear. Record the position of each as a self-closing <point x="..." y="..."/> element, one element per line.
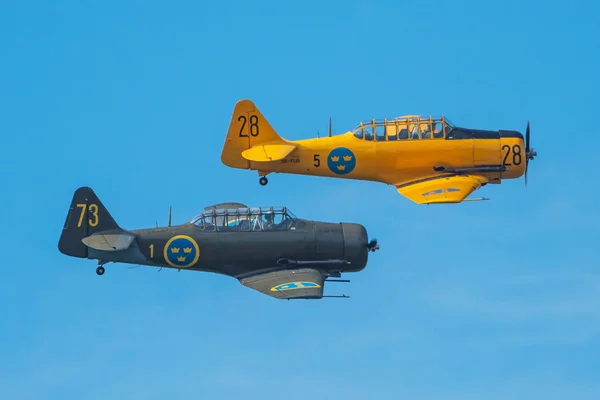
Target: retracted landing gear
<point x="263" y="180"/>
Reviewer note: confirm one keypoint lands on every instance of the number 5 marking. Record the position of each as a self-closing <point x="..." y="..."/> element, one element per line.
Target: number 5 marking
<point x="317" y="161"/>
<point x="93" y="208"/>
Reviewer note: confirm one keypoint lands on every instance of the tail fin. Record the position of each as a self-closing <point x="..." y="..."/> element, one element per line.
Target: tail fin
<point x="87" y="215"/>
<point x="251" y="138"/>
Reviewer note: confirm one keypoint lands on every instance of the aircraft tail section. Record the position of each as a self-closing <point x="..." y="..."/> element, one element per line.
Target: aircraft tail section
<point x="87" y="216"/>
<point x="251" y="138"/>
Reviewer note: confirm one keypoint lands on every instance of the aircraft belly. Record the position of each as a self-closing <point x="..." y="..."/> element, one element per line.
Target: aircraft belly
<point x="242" y="252"/>
<point x="405" y="161"/>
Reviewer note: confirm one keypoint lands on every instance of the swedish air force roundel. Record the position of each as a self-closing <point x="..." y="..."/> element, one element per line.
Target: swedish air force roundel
<point x="341" y="161"/>
<point x="295" y="285"/>
<point x="181" y="251"/>
<point x="440" y="191"/>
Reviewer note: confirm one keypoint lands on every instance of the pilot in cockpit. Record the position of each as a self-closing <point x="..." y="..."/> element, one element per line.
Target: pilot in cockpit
<point x="257" y="223"/>
<point x="437" y="130"/>
<point x="269" y="220"/>
<point x="425" y="131"/>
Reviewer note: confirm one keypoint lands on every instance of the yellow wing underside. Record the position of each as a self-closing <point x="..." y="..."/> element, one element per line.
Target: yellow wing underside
<point x="452" y="189"/>
<point x="268" y="152"/>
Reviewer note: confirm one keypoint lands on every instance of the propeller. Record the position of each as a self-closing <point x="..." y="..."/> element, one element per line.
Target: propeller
<point x="372" y="245"/>
<point x="530" y="153"/>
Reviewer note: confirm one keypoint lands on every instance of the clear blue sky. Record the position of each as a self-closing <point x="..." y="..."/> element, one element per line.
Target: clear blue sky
<point x="494" y="300"/>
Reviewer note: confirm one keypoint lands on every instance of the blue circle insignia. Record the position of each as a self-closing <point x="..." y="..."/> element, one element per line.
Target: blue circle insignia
<point x="341" y="161"/>
<point x="181" y="251"/>
<point x="295" y="285"/>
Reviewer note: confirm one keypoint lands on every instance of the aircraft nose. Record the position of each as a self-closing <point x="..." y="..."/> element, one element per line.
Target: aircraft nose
<point x="356" y="244"/>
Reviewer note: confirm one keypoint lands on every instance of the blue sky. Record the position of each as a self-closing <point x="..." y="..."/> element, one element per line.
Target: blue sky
<point x="494" y="300"/>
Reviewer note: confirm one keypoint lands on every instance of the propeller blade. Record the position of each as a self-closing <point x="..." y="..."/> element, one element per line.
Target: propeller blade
<point x="527" y="150"/>
<point x="527" y="138"/>
<point x="329" y="126"/>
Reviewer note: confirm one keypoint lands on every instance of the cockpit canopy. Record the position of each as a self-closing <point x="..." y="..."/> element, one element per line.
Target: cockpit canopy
<point x="409" y="127"/>
<point x="245" y="219"/>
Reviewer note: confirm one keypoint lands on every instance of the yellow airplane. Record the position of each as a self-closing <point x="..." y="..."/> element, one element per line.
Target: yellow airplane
<point x="428" y="160"/>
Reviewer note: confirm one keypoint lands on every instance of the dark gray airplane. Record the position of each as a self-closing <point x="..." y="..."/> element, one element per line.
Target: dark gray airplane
<point x="267" y="249"/>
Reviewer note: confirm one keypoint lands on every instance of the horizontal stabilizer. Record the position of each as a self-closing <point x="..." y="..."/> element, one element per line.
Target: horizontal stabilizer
<point x="305" y="283"/>
<point x="109" y="241"/>
<point x="268" y="152"/>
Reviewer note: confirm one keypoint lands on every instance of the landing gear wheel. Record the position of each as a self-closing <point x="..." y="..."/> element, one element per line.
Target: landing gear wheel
<point x="100" y="270"/>
<point x="263" y="180"/>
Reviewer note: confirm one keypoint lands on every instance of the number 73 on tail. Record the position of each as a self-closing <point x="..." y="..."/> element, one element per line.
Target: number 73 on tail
<point x="428" y="160"/>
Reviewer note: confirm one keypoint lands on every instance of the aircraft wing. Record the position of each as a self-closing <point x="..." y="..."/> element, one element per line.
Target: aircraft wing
<point x="443" y="189"/>
<point x="268" y="152"/>
<point x="300" y="283"/>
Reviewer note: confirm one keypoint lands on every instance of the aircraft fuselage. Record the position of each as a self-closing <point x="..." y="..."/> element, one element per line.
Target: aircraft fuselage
<point x="236" y="253"/>
<point x="401" y="161"/>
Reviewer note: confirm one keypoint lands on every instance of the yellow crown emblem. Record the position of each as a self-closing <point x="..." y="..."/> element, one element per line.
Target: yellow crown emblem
<point x="187" y="249"/>
<point x="335" y="158"/>
<point x="347" y="158"/>
<point x="181" y="258"/>
<point x="175" y="249"/>
<point x="341" y="167"/>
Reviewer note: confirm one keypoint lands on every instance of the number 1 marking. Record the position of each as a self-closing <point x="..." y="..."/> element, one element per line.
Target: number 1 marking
<point x="152" y="251"/>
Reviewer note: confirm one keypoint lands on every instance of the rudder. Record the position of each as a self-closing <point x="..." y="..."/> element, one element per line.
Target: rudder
<point x="86" y="216"/>
<point x="247" y="128"/>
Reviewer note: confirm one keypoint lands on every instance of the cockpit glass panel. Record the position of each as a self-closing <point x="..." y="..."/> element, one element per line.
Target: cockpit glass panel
<point x="391" y="132"/>
<point x="438" y="132"/>
<point x="412" y="127"/>
<point x="380" y="133"/>
<point x="447" y="129"/>
<point x="414" y="131"/>
<point x="245" y="219"/>
<point x="403" y="131"/>
<point x="290" y="214"/>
